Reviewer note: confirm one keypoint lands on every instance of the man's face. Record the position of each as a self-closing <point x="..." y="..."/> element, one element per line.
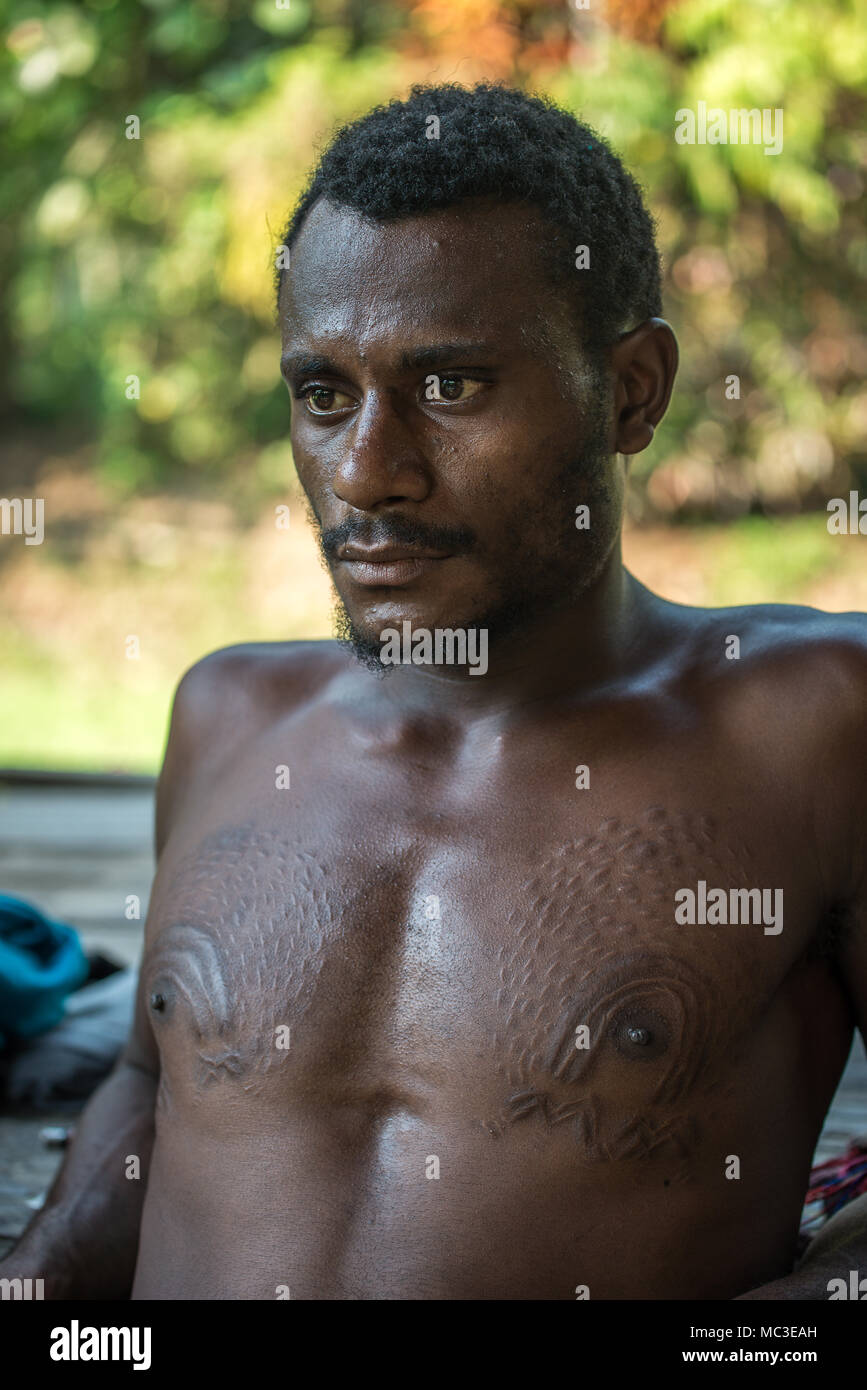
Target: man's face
<point x="446" y="420"/>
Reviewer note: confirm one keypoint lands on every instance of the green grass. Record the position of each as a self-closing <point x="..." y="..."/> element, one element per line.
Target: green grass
<point x="772" y="560"/>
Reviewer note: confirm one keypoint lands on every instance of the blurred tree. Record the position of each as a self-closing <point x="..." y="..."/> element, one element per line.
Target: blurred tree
<point x="146" y="254"/>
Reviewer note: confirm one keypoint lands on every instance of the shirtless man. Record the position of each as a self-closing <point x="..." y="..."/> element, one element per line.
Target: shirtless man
<point x="422" y="1013"/>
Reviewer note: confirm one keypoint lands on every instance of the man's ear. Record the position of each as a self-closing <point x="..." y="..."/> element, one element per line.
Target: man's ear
<point x="644" y="363"/>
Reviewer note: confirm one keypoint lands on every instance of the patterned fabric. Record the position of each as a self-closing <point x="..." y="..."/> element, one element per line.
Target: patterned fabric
<point x="833" y="1184"/>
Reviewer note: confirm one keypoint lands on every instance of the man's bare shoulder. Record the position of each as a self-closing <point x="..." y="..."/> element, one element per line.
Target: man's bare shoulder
<point x="237" y="691"/>
<point x="236" y="680"/>
<point x="783" y="670"/>
<point x="776" y="642"/>
<point x="231" y="695"/>
<point x="824" y="653"/>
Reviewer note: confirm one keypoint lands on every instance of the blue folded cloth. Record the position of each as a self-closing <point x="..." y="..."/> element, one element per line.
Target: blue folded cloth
<point x="41" y="962"/>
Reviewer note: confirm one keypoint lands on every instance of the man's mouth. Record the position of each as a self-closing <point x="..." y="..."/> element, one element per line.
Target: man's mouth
<point x="387" y="565"/>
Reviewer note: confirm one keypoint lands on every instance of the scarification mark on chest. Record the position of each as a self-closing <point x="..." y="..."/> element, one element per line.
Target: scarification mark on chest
<point x="249" y="923"/>
<point x="592" y="941"/>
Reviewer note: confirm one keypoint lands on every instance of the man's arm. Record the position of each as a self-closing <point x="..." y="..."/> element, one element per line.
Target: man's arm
<point x="841" y="1244"/>
<point x="84" y="1241"/>
<point x="838" y="1248"/>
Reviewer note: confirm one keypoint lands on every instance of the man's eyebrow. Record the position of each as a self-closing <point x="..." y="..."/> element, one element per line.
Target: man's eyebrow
<point x="440" y="354"/>
<point x="295" y="364"/>
<point x="299" y="365"/>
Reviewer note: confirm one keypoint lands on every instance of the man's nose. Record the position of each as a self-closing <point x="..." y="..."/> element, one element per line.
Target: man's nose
<point x="382" y="460"/>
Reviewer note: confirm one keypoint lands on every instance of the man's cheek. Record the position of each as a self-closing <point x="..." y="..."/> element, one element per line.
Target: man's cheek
<point x="315" y="485"/>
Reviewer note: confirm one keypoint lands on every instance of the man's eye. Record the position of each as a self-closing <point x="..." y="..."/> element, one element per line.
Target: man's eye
<point x="452" y="388"/>
<point x="324" y="400"/>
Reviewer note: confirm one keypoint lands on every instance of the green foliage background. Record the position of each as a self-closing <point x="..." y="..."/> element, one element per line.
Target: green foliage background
<point x="153" y="256"/>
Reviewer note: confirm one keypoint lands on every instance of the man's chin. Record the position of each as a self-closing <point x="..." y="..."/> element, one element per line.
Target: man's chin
<point x="365" y="642"/>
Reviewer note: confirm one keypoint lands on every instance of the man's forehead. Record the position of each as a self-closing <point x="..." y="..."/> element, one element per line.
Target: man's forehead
<point x="469" y="273"/>
<point x="334" y="230"/>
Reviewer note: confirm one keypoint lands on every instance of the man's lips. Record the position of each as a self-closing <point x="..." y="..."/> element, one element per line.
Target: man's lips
<point x="387" y="565"/>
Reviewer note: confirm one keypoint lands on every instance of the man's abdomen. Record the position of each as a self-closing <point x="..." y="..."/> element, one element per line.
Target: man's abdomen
<point x="421" y="1201"/>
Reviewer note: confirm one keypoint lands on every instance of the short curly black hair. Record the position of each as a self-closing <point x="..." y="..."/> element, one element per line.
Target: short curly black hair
<point x="495" y="141"/>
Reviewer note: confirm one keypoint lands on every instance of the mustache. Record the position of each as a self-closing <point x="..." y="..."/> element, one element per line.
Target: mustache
<point x="396" y="530"/>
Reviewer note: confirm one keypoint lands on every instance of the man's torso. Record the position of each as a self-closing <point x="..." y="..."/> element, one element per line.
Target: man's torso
<point x="429" y="1027"/>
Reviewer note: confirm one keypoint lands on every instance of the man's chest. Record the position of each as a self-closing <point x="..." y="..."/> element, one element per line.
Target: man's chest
<point x="537" y="963"/>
